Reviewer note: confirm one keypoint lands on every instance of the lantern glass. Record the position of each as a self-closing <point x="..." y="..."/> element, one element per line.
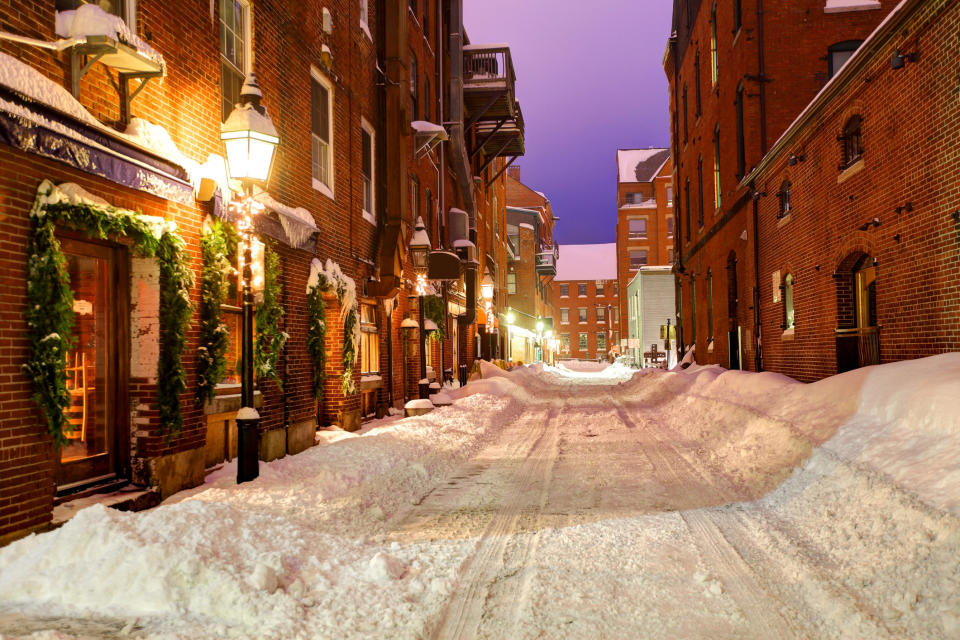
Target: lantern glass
<point x="249" y="154"/>
<point x="418" y="256"/>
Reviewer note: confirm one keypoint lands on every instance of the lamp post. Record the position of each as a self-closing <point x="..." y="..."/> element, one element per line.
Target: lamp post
<point x="250" y="141"/>
<point x="419" y="252"/>
<point x="486" y="292"/>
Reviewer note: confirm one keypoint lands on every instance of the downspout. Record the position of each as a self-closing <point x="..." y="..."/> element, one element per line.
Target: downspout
<point x="678" y="299"/>
<point x="761" y="71"/>
<point x="757" y="341"/>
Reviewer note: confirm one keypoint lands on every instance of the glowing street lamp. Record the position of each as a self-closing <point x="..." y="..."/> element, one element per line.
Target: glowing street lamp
<point x="486" y="292"/>
<point x="419" y="253"/>
<point x="250" y="141"/>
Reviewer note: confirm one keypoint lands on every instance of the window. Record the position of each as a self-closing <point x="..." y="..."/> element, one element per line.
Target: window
<point x="784" y="196"/>
<point x="581" y="289"/>
<point x="686" y="197"/>
<point x="564" y="316"/>
<point x="322" y="133"/>
<point x="601" y="314"/>
<point x="789" y="316"/>
<point x="638" y="258"/>
<point x="601" y="341"/>
<point x="616" y="315"/>
<point x="670" y="196"/>
<point x="582" y="341"/>
<point x="599" y="286"/>
<point x="693" y="310"/>
<point x="638" y="228"/>
<point x="737" y="17"/>
<point x="852" y="141"/>
<point x="582" y="315"/>
<point x="564" y="343"/>
<point x="686" y="128"/>
<point x="633" y="197"/>
<point x="670" y="228"/>
<point x="564" y="291"/>
<point x="717" y="195"/>
<point x="512" y="283"/>
<point x="709" y="305"/>
<point x="696" y="79"/>
<point x="234" y="51"/>
<point x="741" y="146"/>
<point x="700" y="188"/>
<point x="366" y="169"/>
<point x="714" y="63"/>
<point x="426" y="22"/>
<point x="426" y="97"/>
<point x="369" y="340"/>
<point x="670" y="255"/>
<point x="839" y="53"/>
<point x="414" y="198"/>
<point x="413" y="87"/>
<point x="616" y="289"/>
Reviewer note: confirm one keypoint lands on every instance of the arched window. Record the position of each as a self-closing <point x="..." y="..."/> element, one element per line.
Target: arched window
<point x="789" y="317"/>
<point x="852" y="141"/>
<point x="784" y="196"/>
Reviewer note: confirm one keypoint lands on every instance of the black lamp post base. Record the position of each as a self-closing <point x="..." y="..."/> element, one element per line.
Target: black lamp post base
<point x="248" y="449"/>
<point x="424" y="390"/>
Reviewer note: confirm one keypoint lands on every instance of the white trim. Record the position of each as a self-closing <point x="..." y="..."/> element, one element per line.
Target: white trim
<point x="131" y="17"/>
<point x="364" y="15"/>
<point x="326" y="189"/>
<point x="370" y="216"/>
<point x="843" y="6"/>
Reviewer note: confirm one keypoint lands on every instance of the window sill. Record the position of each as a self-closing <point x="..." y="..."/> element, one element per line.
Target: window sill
<point x="369" y="217"/>
<point x="845" y="6"/>
<point x="782" y="221"/>
<point x="322" y="188"/>
<point x="850" y="171"/>
<point x="366" y="29"/>
<point x="710" y="346"/>
<point x="787" y="334"/>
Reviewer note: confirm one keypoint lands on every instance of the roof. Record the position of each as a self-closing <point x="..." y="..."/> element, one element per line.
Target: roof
<point x="640" y="165"/>
<point x="587" y="262"/>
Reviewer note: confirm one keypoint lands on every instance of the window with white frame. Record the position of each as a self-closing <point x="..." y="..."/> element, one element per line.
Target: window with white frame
<point x="638" y="228"/>
<point x="601" y="314"/>
<point x="582" y="315"/>
<point x="234" y="51"/>
<point x="369" y="340"/>
<point x="322" y="132"/>
<point x="638" y="258"/>
<point x="564" y="343"/>
<point x="582" y="341"/>
<point x="601" y="341"/>
<point x="512" y="283"/>
<point x="599" y="286"/>
<point x="564" y="316"/>
<point x="582" y="289"/>
<point x="367" y="150"/>
<point x="365" y="16"/>
<point x="670" y="227"/>
<point x="564" y="290"/>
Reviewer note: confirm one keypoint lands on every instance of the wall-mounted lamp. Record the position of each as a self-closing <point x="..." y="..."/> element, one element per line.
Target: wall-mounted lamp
<point x="794" y="159"/>
<point x="907" y="207"/>
<point x="899" y="60"/>
<point x="871" y="223"/>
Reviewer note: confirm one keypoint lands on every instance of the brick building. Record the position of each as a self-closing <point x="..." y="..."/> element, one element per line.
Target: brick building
<point x="857" y="207"/>
<point x="732" y="92"/>
<point x="532" y="267"/>
<point x="588" y="301"/>
<point x="645" y="219"/>
<point x="342" y="82"/>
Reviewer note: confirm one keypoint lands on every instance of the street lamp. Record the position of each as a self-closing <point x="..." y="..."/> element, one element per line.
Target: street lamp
<point x="511" y="318"/>
<point x="419" y="253"/>
<point x="250" y="141"/>
<point x="486" y="292"/>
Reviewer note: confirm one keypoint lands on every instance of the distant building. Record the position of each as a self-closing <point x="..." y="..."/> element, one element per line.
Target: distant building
<point x="588" y="304"/>
<point x="645" y="220"/>
<point x="650" y="305"/>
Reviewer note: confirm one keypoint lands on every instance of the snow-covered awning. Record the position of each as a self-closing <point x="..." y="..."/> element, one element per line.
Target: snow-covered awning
<point x="409" y="323"/>
<point x="427" y="134"/>
<point x="298" y="223"/>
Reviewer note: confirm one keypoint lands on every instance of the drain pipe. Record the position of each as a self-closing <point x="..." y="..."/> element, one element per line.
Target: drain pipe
<point x="762" y="70"/>
<point x="757" y="338"/>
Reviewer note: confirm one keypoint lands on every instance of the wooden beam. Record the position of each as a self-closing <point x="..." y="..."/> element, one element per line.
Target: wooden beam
<point x="486" y="138"/>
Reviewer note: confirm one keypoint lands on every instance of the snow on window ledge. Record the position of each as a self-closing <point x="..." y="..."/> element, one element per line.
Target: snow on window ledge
<point x="787" y="334"/>
<point x="366" y="29"/>
<point x="369" y="217"/>
<point x="322" y="188"/>
<point x="843" y="6"/>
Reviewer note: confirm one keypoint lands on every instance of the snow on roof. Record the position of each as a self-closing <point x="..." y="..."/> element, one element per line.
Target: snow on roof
<point x="495" y="45"/>
<point x="640" y="165"/>
<point x="26" y="80"/>
<point x="526" y="225"/>
<point x="837" y="6"/>
<point x="422" y="126"/>
<point x="298" y="223"/>
<point x="91" y="20"/>
<point x="587" y="262"/>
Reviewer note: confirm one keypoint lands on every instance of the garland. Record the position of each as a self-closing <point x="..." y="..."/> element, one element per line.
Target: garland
<point x="433" y="309"/>
<point x="50" y="315"/>
<point x="332" y="280"/>
<point x="270" y="339"/>
<point x="217" y="244"/>
<point x="317" y="333"/>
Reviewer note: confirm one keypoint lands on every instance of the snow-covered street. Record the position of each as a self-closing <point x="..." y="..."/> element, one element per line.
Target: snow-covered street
<point x="551" y="503"/>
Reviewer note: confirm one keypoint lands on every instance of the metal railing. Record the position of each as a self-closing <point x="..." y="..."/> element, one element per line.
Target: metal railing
<point x="867" y="341"/>
<point x="487" y="64"/>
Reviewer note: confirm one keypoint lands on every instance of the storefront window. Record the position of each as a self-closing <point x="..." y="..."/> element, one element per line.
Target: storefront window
<point x="369" y="340"/>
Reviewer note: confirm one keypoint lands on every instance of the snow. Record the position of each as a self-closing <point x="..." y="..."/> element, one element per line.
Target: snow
<point x="409" y="323"/>
<point x="420" y="237"/>
<point x="838" y="6"/>
<point x="370" y="378"/>
<point x="424" y="127"/>
<point x="554" y="502"/>
<point x="587" y="262"/>
<point x="91" y="20"/>
<point x="245" y="117"/>
<point x="628" y="159"/>
<point x="248" y="413"/>
<point x="462" y="242"/>
<point x="420" y="403"/>
<point x="298" y="223"/>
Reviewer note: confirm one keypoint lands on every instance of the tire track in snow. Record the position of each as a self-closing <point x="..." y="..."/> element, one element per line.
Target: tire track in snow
<point x="464" y="612"/>
<point x="760" y="607"/>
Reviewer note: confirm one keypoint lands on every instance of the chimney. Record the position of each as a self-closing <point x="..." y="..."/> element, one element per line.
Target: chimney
<point x="514" y="172"/>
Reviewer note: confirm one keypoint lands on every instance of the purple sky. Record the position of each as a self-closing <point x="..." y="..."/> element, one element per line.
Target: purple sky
<point x="589" y="80"/>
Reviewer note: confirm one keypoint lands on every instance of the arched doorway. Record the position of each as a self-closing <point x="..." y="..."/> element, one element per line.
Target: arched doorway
<point x="733" y="335"/>
<point x="857" y="332"/>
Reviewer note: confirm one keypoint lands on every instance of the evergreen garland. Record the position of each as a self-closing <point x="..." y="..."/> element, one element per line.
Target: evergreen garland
<point x="317" y="334"/>
<point x="349" y="352"/>
<point x="270" y="339"/>
<point x="50" y="315"/>
<point x="433" y="309"/>
<point x="217" y="245"/>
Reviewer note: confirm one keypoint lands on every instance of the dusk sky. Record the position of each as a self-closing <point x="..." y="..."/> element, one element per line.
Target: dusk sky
<point x="589" y="80"/>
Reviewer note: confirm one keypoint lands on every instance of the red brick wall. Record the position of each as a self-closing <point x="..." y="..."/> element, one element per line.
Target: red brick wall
<point x="609" y="300"/>
<point x="911" y="117"/>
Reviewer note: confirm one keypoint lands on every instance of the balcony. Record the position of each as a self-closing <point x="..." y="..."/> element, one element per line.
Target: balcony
<point x="492" y="112"/>
<point x="547" y="261"/>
